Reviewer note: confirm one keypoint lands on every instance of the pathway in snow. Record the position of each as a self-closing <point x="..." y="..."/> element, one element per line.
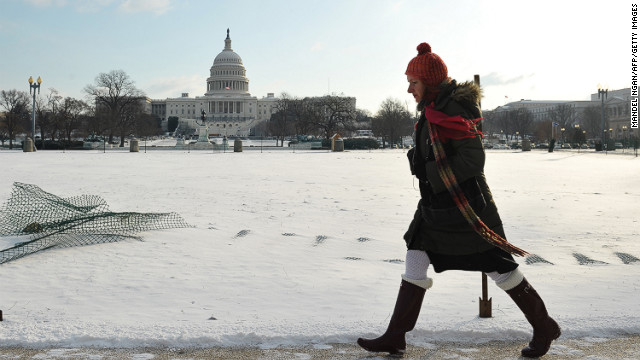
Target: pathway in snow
<point x="582" y="348"/>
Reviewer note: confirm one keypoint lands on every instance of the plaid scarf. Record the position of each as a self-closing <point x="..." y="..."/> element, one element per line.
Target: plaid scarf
<point x="441" y="128"/>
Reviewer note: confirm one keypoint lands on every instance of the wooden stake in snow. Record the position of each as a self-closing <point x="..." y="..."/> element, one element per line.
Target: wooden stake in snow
<point x="485" y="304"/>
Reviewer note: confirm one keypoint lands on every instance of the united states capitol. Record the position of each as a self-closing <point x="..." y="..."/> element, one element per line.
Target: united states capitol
<point x="227" y="106"/>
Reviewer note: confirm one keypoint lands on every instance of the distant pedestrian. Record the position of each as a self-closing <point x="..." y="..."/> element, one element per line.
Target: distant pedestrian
<point x="456" y="225"/>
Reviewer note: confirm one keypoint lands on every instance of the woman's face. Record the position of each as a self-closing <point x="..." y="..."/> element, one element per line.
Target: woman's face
<point x="416" y="87"/>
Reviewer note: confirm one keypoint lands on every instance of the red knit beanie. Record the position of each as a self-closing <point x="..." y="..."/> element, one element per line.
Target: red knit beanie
<point x="427" y="66"/>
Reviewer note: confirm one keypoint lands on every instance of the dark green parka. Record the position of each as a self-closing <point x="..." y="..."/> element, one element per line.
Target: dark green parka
<point x="450" y="235"/>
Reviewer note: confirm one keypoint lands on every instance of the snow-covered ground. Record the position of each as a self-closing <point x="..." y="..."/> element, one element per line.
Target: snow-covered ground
<point x="305" y="247"/>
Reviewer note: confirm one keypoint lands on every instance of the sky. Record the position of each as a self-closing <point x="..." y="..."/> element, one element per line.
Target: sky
<point x="543" y="50"/>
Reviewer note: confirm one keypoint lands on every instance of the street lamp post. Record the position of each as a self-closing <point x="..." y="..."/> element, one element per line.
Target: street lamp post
<point x="32" y="89"/>
<point x="602" y="94"/>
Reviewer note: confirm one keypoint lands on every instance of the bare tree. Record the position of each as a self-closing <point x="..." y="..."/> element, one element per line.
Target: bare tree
<point x="281" y="123"/>
<point x="70" y="116"/>
<point x="148" y="125"/>
<point x="392" y="121"/>
<point x="338" y="114"/>
<point x="323" y="116"/>
<point x="53" y="105"/>
<point x="306" y="114"/>
<point x="16" y="117"/>
<point x="4" y="135"/>
<point x="95" y="122"/>
<point x="522" y="121"/>
<point x="592" y="121"/>
<point x="563" y="115"/>
<point x="298" y="109"/>
<point x="489" y="122"/>
<point x="115" y="96"/>
<point x="47" y="110"/>
<point x="131" y="115"/>
<point x="312" y="114"/>
<point x="504" y="122"/>
<point x="542" y="130"/>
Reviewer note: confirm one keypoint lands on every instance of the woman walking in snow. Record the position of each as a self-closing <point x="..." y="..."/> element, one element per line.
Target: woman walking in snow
<point x="456" y="225"/>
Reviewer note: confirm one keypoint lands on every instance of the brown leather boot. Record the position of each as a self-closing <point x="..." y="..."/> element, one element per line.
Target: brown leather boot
<point x="545" y="329"/>
<point x="405" y="315"/>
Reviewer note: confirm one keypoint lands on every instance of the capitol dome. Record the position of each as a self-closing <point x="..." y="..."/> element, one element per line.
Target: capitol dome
<point x="227" y="75"/>
<point x="227" y="56"/>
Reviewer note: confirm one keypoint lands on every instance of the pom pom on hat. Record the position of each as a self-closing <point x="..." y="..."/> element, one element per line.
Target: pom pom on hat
<point x="427" y="66"/>
<point x="424" y="48"/>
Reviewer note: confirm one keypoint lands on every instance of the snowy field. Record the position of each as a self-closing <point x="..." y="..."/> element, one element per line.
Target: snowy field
<point x="305" y="248"/>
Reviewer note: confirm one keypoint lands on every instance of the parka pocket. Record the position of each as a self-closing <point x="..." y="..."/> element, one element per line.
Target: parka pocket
<point x="440" y="209"/>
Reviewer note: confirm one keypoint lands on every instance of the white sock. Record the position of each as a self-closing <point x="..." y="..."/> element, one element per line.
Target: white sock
<point x="416" y="265"/>
<point x="507" y="281"/>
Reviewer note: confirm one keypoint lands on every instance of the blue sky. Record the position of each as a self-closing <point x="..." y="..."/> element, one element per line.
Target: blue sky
<point x="543" y="50"/>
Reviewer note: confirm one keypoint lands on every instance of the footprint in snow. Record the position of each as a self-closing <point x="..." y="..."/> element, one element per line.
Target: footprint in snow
<point x="627" y="258"/>
<point x="320" y="239"/>
<point x="585" y="260"/>
<point x="242" y="233"/>
<point x="394" y="261"/>
<point x="533" y="259"/>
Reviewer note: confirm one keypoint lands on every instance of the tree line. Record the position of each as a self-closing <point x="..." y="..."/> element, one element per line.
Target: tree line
<point x="521" y="121"/>
<point x="325" y="116"/>
<point x="113" y="109"/>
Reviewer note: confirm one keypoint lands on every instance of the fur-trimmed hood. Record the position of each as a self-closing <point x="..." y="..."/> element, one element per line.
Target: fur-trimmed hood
<point x="467" y="94"/>
<point x="459" y="99"/>
<point x="467" y="91"/>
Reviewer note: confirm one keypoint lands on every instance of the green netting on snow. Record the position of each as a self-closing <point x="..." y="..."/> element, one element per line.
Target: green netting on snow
<point x="39" y="220"/>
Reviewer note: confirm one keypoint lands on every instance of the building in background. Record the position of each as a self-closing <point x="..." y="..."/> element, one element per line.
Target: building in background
<point x="229" y="108"/>
<point x="617" y="107"/>
<point x="574" y="114"/>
